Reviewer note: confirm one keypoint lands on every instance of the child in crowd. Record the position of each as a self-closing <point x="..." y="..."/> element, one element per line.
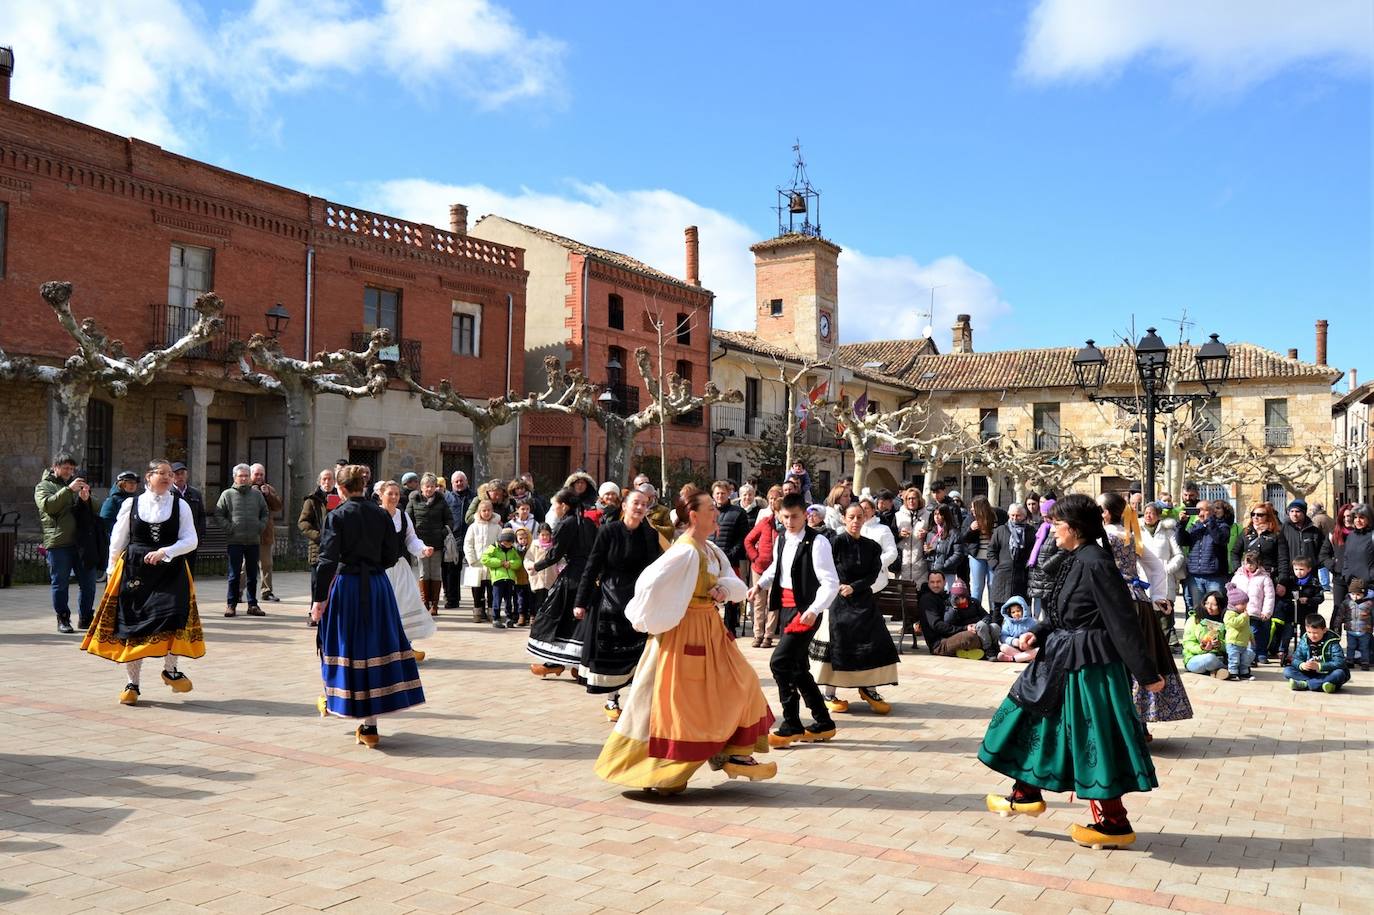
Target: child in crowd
<point x="501" y="560"/>
<point x="1016" y="622"/>
<point x="1307" y="596"/>
<point x="1204" y="638"/>
<point x="524" y="517"/>
<point x="539" y="581"/>
<point x="967" y="613"/>
<point x="1254" y="580"/>
<point x="1318" y="662"/>
<point x="1356" y="616"/>
<point x="803" y="478"/>
<point x="1239" y="634"/>
<point x="523" y="539"/>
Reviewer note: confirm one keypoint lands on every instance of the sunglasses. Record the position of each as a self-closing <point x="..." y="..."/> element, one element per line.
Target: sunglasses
<point x="1259" y="514"/>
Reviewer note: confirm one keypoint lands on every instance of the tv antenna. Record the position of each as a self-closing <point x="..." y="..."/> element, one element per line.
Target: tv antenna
<point x="1182" y="322"/>
<point x="928" y="330"/>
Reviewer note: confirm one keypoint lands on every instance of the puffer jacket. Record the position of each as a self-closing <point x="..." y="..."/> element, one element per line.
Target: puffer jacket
<point x="731" y="530"/>
<point x="1196" y="629"/>
<point x="55" y="503"/>
<point x="1259" y="591"/>
<point x="1207" y="544"/>
<point x="242" y="512"/>
<point x="1046" y="567"/>
<point x="1308" y="541"/>
<point x="589" y="496"/>
<point x="1328" y="652"/>
<point x="759" y="542"/>
<point x="494" y="555"/>
<point x="1357" y="557"/>
<point x="948" y="556"/>
<point x="481" y="534"/>
<point x="433" y="518"/>
<point x="911" y="565"/>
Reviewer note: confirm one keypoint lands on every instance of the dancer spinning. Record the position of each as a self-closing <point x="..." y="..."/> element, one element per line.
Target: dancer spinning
<point x="556" y="634"/>
<point x="694" y="698"/>
<point x="611" y="647"/>
<point x="1068" y="723"/>
<point x="852" y="647"/>
<point x="149" y="606"/>
<point x="804" y="573"/>
<point x="365" y="658"/>
<point x="416" y="620"/>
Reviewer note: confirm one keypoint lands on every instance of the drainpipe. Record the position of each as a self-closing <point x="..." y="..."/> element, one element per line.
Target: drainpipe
<point x="586" y="356"/>
<point x="309" y="298"/>
<point x="510" y="334"/>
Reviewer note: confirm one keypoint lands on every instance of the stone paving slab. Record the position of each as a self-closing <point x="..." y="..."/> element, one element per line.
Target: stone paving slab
<point x="237" y="797"/>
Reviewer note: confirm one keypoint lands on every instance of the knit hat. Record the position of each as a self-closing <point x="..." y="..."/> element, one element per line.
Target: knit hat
<point x="954" y="494"/>
<point x="506" y="536"/>
<point x="815" y="508"/>
<point x="958" y="589"/>
<point x="1297" y="503"/>
<point x="608" y="488"/>
<point x="1235" y="597"/>
<point x="408" y="477"/>
<point x="128" y="476"/>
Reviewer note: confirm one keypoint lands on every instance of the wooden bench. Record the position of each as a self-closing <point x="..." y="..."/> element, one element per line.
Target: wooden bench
<point x="898" y="601"/>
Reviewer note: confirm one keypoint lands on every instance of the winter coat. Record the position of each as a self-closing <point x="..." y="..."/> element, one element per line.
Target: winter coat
<point x="56" y="503"/>
<point x="1357" y="558"/>
<point x="195" y="500"/>
<point x="1010" y="576"/>
<point x="543" y="579"/>
<point x="1196" y="629"/>
<point x="1206" y="543"/>
<point x="948" y="555"/>
<point x="1272" y="547"/>
<point x="1014" y="629"/>
<point x="1259" y="588"/>
<point x="730" y="532"/>
<point x="242" y="512"/>
<point x="274" y="504"/>
<point x="1161" y="544"/>
<point x="758" y="544"/>
<point x="433" y="518"/>
<point x="458" y="504"/>
<point x="1327" y="651"/>
<point x="1237" y="627"/>
<point x="1308" y="541"/>
<point x="1046" y="566"/>
<point x="589" y="496"/>
<point x="912" y="566"/>
<point x="1354" y="615"/>
<point x="975" y="541"/>
<point x="311" y="522"/>
<point x="481" y="534"/>
<point x="1309" y="588"/>
<point x="109" y="511"/>
<point x="931" y="608"/>
<point x="494" y="555"/>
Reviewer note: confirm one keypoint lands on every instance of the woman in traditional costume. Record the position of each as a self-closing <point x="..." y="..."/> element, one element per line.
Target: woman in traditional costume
<point x="1068" y="723"/>
<point x="611" y="647"/>
<point x="366" y="660"/>
<point x="556" y="632"/>
<point x="149" y="606"/>
<point x="694" y="698"/>
<point x="852" y="647"/>
<point x="417" y="622"/>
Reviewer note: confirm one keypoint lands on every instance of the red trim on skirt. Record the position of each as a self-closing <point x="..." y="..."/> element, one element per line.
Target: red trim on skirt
<point x="698" y="750"/>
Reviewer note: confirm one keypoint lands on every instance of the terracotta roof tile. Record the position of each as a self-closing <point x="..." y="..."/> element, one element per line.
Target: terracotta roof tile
<point x="793" y="238"/>
<point x="896" y="356"/>
<point x="743" y="340"/>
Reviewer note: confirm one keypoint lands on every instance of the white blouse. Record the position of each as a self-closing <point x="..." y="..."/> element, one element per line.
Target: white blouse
<point x="153" y="509"/>
<point x="414" y="545"/>
<point x="665" y="588"/>
<point x="822" y="563"/>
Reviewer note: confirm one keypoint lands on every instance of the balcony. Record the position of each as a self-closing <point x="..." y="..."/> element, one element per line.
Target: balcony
<point x="626" y="398"/>
<point x="726" y="416"/>
<point x="1278" y="436"/>
<point x="409" y="353"/>
<point x="690" y="418"/>
<point x="1046" y="441"/>
<point x="172" y="322"/>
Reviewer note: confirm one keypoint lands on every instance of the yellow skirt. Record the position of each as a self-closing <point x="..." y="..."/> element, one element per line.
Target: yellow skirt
<point x="694" y="696"/>
<point x="101" y="641"/>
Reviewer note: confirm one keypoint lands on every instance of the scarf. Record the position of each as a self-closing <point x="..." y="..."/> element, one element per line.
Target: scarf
<point x="1018" y="534"/>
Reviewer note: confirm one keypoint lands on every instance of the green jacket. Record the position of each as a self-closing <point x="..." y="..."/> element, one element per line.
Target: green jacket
<point x="494" y="556"/>
<point x="1194" y="631"/>
<point x="242" y="512"/>
<point x="55" y="504"/>
<point x="1237" y="629"/>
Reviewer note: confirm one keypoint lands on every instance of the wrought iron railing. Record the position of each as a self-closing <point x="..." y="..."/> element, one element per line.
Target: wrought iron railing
<point x="1278" y="436"/>
<point x="690" y="418"/>
<point x="172" y="322"/>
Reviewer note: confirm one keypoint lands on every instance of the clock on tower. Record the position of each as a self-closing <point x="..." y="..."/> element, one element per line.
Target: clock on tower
<point x="824" y="325"/>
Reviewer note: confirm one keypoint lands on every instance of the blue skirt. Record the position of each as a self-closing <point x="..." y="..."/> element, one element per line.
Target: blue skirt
<point x="367" y="664"/>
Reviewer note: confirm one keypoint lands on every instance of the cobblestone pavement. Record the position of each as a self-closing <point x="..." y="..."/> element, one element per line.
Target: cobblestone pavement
<point x="238" y="798"/>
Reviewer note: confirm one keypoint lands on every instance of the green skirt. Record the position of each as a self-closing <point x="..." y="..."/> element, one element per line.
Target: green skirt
<point x="1094" y="745"/>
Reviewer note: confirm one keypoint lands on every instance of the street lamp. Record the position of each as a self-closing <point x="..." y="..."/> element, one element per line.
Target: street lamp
<point x="277" y="319"/>
<point x="1152" y="366"/>
<point x="608" y="401"/>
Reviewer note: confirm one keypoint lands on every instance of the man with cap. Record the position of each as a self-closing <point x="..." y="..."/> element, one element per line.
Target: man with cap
<point x="195" y="500"/>
<point x="410" y="482"/>
<point x="126" y="487"/>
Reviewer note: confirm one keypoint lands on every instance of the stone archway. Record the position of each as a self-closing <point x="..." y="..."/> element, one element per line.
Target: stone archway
<point x="881" y="478"/>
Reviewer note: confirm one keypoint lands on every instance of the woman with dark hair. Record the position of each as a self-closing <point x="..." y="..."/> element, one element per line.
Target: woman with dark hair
<point x="556" y="632"/>
<point x="366" y="660"/>
<point x="1068" y="723"/>
<point x="694" y="698"/>
<point x="149" y="606"/>
<point x="982" y="521"/>
<point x="943" y="547"/>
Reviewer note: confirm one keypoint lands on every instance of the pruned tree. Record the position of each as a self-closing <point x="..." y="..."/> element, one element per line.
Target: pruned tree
<point x="907" y="429"/>
<point x="345" y="373"/>
<point x="1303" y="471"/>
<point x="562" y="393"/>
<point x="769" y="450"/>
<point x="100" y="363"/>
<point x="1061" y="464"/>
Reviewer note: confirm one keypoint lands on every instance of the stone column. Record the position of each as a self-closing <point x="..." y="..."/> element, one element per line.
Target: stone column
<point x="198" y="400"/>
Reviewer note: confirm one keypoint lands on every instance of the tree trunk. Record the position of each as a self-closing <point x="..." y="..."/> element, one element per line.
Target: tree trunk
<point x="300" y="453"/>
<point x="860" y="465"/>
<point x="620" y="439"/>
<point x="481" y="453"/>
<point x="72" y="397"/>
<point x="791" y="433"/>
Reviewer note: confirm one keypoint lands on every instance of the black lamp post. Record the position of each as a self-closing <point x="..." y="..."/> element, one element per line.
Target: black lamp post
<point x="277" y="319"/>
<point x="1152" y="366"/>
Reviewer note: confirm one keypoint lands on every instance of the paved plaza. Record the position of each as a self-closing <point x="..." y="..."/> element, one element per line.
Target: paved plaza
<point x="239" y="798"/>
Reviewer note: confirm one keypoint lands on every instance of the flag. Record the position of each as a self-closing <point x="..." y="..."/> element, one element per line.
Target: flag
<point x="818" y="392"/>
<point x="861" y="405"/>
<point x="801" y="416"/>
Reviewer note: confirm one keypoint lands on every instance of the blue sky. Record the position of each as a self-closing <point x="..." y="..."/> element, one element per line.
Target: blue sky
<point x="1058" y="168"/>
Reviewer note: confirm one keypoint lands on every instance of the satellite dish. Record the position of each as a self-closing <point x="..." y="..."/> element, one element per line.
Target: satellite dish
<point x="927" y="331"/>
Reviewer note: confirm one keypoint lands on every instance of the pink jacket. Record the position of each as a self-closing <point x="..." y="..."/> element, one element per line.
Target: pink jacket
<point x="1259" y="588"/>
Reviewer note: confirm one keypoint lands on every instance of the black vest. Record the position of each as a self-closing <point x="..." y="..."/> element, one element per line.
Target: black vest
<point x="804" y="581"/>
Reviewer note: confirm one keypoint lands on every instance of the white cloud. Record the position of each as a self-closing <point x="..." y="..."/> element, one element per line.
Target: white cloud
<point x="879" y="296"/>
<point x="146" y="67"/>
<point x="1219" y="46"/>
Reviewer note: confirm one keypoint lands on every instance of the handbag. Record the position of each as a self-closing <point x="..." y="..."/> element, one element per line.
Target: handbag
<point x="452" y="553"/>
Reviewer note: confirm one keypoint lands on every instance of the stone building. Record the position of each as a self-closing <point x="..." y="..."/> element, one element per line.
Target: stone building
<point x="1352" y="417"/>
<point x="140" y="232"/>
<point x="592" y="308"/>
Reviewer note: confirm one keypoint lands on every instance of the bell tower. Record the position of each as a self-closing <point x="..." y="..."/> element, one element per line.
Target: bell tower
<point x="796" y="275"/>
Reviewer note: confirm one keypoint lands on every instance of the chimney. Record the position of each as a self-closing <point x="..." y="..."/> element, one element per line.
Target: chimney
<point x="6" y="70"/>
<point x="458" y="219"/>
<point x="963" y="335"/>
<point x="1354" y="382"/>
<point x="1321" y="342"/>
<point x="1293" y="353"/>
<point x="693" y="263"/>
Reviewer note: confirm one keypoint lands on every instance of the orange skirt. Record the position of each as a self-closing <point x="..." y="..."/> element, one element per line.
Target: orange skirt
<point x="101" y="641"/>
<point x="694" y="696"/>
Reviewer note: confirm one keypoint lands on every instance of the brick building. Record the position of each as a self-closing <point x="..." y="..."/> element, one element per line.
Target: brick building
<point x="592" y="307"/>
<point x="140" y="232"/>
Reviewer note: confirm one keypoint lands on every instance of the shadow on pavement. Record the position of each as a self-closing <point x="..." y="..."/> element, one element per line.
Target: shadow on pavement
<point x="1201" y="747"/>
<point x="702" y="792"/>
<point x="411" y="744"/>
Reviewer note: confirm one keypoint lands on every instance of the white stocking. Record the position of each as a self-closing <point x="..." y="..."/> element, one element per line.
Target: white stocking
<point x="134" y="668"/>
<point x="169" y="663"/>
<point x="370" y="722"/>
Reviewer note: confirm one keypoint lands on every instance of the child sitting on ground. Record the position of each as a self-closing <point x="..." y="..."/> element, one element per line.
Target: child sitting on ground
<point x="1254" y="580"/>
<point x="1356" y="616"/>
<point x="1016" y="622"/>
<point x="1238" y="634"/>
<point x="967" y="613"/>
<point x="1204" y="638"/>
<point x="1318" y="662"/>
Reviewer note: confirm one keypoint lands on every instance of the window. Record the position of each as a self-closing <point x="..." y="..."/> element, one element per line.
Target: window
<point x="684" y="329"/>
<point x="684" y="371"/>
<point x="775" y="308"/>
<point x="874" y="406"/>
<point x="1209" y="420"/>
<point x="456" y="456"/>
<point x="615" y="355"/>
<point x="382" y="308"/>
<point x="1277" y="432"/>
<point x="734" y="470"/>
<point x="822" y="483"/>
<point x="1047" y="427"/>
<point x="987" y="424"/>
<point x="1275" y="496"/>
<point x="467" y="329"/>
<point x="1213" y="492"/>
<point x="99" y="442"/>
<point x="4" y="224"/>
<point x="751" y="406"/>
<point x="978" y="485"/>
<point x="615" y="312"/>
<point x="190" y="273"/>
